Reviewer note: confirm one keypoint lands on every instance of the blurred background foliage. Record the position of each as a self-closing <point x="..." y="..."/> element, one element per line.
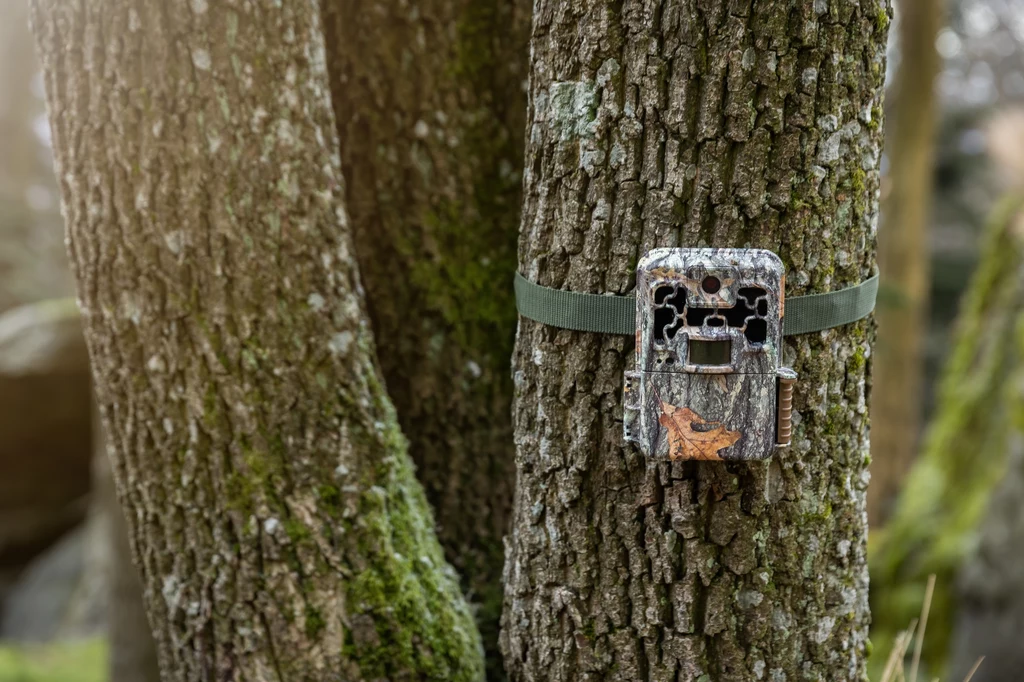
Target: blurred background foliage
<point x="941" y="511"/>
<point x="71" y="661"/>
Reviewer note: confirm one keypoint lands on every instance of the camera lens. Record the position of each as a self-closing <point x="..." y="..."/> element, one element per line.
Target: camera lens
<point x="711" y="284"/>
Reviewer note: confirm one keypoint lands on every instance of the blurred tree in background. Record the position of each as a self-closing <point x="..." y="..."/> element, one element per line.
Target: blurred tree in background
<point x="32" y="261"/>
<point x="948" y="487"/>
<point x="904" y="253"/>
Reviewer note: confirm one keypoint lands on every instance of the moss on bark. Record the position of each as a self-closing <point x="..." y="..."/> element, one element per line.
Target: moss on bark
<point x="272" y="506"/>
<point x="430" y="112"/>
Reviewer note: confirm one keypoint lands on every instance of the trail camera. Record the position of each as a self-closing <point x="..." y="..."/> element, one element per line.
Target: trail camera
<point x="708" y="384"/>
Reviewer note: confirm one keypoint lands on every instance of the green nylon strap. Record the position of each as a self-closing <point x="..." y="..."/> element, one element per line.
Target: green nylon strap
<point x="613" y="314"/>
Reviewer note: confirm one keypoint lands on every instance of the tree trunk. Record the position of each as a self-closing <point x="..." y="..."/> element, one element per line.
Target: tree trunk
<point x="271" y="504"/>
<point x="430" y="111"/>
<point x="989" y="604"/>
<point x="903" y="255"/>
<point x="32" y="261"/>
<point x="710" y="123"/>
<point x="948" y="488"/>
<point x="989" y="615"/>
<point x="132" y="649"/>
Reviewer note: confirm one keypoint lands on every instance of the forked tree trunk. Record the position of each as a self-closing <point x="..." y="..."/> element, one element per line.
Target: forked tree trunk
<point x="903" y="257"/>
<point x="697" y="123"/>
<point x="430" y="109"/>
<point x="272" y="506"/>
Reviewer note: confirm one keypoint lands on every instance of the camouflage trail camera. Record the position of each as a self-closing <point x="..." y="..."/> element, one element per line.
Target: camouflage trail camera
<point x="708" y="384"/>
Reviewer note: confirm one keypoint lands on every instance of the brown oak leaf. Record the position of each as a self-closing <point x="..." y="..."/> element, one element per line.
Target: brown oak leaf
<point x="686" y="442"/>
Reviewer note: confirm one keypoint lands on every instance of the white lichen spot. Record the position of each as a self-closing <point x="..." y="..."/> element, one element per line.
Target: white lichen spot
<point x="828" y="123"/>
<point x="134" y="24"/>
<point x="168" y="426"/>
<point x="141" y="201"/>
<point x="271" y="525"/>
<point x="538" y="356"/>
<point x="341" y="471"/>
<point x="759" y="669"/>
<point x="617" y="154"/>
<point x="592" y="160"/>
<point x="828" y="150"/>
<point x="571" y="108"/>
<point x="749" y="58"/>
<point x="158" y="127"/>
<point x="340" y="343"/>
<point x="175" y="241"/>
<point x="155" y="364"/>
<point x="129" y="308"/>
<point x="843" y="548"/>
<point x="259" y="114"/>
<point x="608" y="70"/>
<point x="809" y="77"/>
<point x="824" y="629"/>
<point x="748" y="599"/>
<point x="315" y="301"/>
<point x="199" y="6"/>
<point x="171" y="592"/>
<point x="474" y="369"/>
<point x="291" y="98"/>
<point x="201" y="59"/>
<point x="421" y="129"/>
<point x="285" y="134"/>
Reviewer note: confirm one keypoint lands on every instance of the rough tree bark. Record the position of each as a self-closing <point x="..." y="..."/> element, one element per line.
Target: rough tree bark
<point x="903" y="256"/>
<point x="934" y="524"/>
<point x="272" y="506"/>
<point x="694" y="123"/>
<point x="133" y="655"/>
<point x="430" y="109"/>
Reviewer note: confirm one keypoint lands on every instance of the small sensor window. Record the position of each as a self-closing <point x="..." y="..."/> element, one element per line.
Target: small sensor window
<point x="710" y="352"/>
<point x="711" y="284"/>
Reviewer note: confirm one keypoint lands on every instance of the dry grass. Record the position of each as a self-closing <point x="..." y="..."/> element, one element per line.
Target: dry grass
<point x="894" y="671"/>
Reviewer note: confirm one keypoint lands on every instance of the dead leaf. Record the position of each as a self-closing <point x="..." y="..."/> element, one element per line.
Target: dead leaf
<point x="685" y="442"/>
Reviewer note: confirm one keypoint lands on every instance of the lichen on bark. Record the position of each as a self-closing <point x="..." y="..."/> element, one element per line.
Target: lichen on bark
<point x="696" y="124"/>
<point x="273" y="509"/>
